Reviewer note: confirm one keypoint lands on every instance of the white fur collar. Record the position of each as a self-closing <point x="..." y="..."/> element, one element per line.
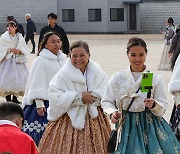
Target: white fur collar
<point x="6" y="36"/>
<point x="49" y="55"/>
<point x="70" y="69"/>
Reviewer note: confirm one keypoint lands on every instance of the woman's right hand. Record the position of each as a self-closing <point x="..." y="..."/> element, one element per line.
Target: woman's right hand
<point x="88" y="97"/>
<point x="115" y="116"/>
<point x="14" y="50"/>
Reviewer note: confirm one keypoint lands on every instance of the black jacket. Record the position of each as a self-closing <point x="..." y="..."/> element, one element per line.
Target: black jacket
<point x="61" y="32"/>
<point x="31" y="28"/>
<point x="20" y="27"/>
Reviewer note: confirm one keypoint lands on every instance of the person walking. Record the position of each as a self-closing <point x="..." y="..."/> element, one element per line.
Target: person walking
<point x="12" y="139"/>
<point x="30" y="31"/>
<point x="13" y="70"/>
<point x="175" y="47"/>
<point x="174" y="89"/>
<point x="20" y="26"/>
<point x="53" y="27"/>
<point x="143" y="129"/>
<point x="165" y="59"/>
<point x="77" y="123"/>
<point x="50" y="59"/>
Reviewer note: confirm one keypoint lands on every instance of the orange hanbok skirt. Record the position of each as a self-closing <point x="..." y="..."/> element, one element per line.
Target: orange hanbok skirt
<point x="60" y="137"/>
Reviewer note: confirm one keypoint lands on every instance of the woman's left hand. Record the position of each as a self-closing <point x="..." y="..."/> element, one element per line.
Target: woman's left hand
<point x="149" y="103"/>
<point x="17" y="51"/>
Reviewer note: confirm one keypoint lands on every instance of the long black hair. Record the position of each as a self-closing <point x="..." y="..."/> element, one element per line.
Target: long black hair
<point x="13" y="24"/>
<point x="135" y="41"/>
<point x="171" y="21"/>
<point x="45" y="39"/>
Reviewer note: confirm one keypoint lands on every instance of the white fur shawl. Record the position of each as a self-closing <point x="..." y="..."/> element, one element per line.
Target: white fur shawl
<point x="6" y="43"/>
<point x="65" y="86"/>
<point x="44" y="67"/>
<point x="174" y="84"/>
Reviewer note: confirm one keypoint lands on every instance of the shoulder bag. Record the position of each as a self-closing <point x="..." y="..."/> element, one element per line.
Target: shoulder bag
<point x="113" y="139"/>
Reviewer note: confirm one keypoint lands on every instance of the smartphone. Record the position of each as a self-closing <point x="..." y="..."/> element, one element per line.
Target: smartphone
<point x="146" y="82"/>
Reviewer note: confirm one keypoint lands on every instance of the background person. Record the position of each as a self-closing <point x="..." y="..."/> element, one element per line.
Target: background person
<point x="174" y="89"/>
<point x="175" y="47"/>
<point x="53" y="27"/>
<point x="77" y="122"/>
<point x="30" y="31"/>
<point x="13" y="75"/>
<point x="165" y="59"/>
<point x="12" y="139"/>
<point x="20" y="27"/>
<point x="50" y="59"/>
<point x="143" y="131"/>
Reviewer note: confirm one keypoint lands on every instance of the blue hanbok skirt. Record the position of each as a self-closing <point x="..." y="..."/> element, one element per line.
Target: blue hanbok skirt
<point x="34" y="125"/>
<point x="145" y="133"/>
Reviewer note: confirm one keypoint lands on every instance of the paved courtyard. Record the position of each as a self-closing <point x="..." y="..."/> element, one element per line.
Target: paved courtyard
<point x="110" y="52"/>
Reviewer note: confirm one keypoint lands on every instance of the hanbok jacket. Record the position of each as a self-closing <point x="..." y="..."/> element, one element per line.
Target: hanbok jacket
<point x="6" y="43"/>
<point x="122" y="88"/>
<point x="13" y="140"/>
<point x="174" y="84"/>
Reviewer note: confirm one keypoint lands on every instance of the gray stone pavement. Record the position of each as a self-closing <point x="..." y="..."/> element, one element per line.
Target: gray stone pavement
<point x="109" y="50"/>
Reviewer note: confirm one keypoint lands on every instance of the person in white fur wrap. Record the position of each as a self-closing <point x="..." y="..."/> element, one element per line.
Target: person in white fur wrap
<point x="174" y="89"/>
<point x="13" y="73"/>
<point x="77" y="123"/>
<point x="50" y="59"/>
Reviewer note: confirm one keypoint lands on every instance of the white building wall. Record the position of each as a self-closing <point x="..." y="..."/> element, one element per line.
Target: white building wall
<point x="81" y="23"/>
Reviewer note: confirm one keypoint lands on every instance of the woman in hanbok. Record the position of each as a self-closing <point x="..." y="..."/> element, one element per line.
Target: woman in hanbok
<point x="174" y="89"/>
<point x="13" y="73"/>
<point x="50" y="59"/>
<point x="165" y="58"/>
<point x="144" y="130"/>
<point x="77" y="123"/>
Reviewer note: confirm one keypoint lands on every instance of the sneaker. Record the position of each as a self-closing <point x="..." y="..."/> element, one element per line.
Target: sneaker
<point x="33" y="52"/>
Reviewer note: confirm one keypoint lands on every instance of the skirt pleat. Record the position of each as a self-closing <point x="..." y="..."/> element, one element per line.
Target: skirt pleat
<point x="145" y="133"/>
<point x="61" y="138"/>
<point x="34" y="125"/>
<point x="13" y="77"/>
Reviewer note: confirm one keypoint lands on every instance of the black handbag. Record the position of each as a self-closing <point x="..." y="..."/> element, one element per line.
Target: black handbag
<point x="113" y="137"/>
<point x="112" y="141"/>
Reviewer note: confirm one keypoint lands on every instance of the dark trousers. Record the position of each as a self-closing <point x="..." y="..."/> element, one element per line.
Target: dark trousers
<point x="32" y="41"/>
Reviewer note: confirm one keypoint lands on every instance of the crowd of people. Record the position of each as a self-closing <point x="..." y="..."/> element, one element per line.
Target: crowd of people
<point x="69" y="105"/>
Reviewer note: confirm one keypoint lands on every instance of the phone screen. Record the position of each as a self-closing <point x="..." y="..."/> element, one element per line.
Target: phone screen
<point x="146" y="82"/>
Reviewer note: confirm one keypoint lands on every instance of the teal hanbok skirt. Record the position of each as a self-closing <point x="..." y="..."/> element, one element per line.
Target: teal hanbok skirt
<point x="145" y="133"/>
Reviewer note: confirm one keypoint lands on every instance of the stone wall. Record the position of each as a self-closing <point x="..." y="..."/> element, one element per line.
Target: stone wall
<point x="154" y="15"/>
<point x="39" y="9"/>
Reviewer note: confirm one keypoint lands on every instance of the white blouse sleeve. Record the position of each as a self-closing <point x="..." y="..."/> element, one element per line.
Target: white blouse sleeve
<point x="108" y="102"/>
<point x="160" y="98"/>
